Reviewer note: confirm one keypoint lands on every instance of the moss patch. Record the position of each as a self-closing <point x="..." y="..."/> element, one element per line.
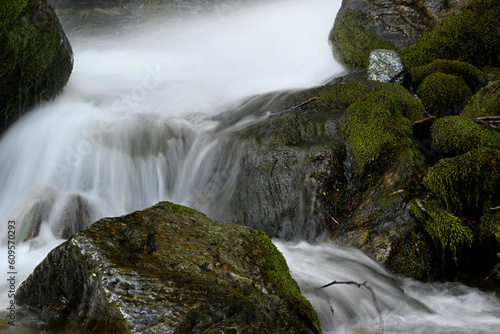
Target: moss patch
<point x="455" y="135"/>
<point x="373" y="134"/>
<point x="485" y="103"/>
<point x="444" y="228"/>
<point x="472" y="76"/>
<point x="467" y="184"/>
<point x="443" y="94"/>
<point x="34" y="65"/>
<point x="471" y="36"/>
<point x="352" y="43"/>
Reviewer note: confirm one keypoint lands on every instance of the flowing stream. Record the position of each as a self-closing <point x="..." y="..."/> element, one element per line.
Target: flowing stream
<point x="135" y="125"/>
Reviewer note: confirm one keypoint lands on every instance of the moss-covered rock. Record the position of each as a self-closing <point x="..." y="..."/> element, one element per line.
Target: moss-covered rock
<point x="168" y="269"/>
<point x="443" y="94"/>
<point x="485" y="103"/>
<point x="35" y="56"/>
<point x="468" y="184"/>
<point x="472" y="76"/>
<point x="455" y="135"/>
<point x="362" y="26"/>
<point x="373" y="134"/>
<point x="352" y="42"/>
<point x="471" y="36"/>
<point x="443" y="226"/>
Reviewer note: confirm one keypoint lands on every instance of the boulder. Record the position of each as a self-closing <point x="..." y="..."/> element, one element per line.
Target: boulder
<point x="364" y="25"/>
<point x="168" y="269"/>
<point x="36" y="57"/>
<point x="386" y="66"/>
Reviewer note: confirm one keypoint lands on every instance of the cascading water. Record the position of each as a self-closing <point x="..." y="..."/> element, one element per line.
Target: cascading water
<point x="135" y="126"/>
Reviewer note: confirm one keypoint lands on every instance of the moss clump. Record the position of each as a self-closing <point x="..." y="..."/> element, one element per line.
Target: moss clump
<point x="180" y="209"/>
<point x="413" y="256"/>
<point x="444" y="228"/>
<point x="342" y="95"/>
<point x="373" y="134"/>
<point x="352" y="43"/>
<point x="397" y="100"/>
<point x="34" y="63"/>
<point x="472" y="76"/>
<point x="455" y="135"/>
<point x="485" y="103"/>
<point x="490" y="225"/>
<point x="443" y="94"/>
<point x="279" y="273"/>
<point x="471" y="36"/>
<point x="467" y="184"/>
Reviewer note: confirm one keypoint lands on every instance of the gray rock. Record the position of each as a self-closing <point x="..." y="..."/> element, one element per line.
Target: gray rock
<point x="386" y="66"/>
<point x="167" y="269"/>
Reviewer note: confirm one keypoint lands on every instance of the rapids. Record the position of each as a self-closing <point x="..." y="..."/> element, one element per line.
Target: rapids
<point x="135" y="126"/>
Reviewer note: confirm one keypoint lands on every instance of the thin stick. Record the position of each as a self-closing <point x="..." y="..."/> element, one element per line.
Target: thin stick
<point x="374" y="298"/>
<point x="296" y="107"/>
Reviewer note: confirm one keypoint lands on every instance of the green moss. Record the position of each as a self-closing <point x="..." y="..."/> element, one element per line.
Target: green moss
<point x="492" y="73"/>
<point x="473" y="77"/>
<point x="444" y="228"/>
<point x="471" y="36"/>
<point x="412" y="256"/>
<point x="34" y="65"/>
<point x="352" y="43"/>
<point x="485" y="103"/>
<point x="466" y="184"/>
<point x="443" y="94"/>
<point x="455" y="135"/>
<point x="341" y="95"/>
<point x="373" y="134"/>
<point x="490" y="225"/>
<point x="180" y="209"/>
<point x="279" y="273"/>
<point x="396" y="99"/>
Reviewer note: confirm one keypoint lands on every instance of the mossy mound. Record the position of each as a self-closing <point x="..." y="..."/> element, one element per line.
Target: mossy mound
<point x="468" y="184"/>
<point x="396" y="98"/>
<point x="443" y="226"/>
<point x="471" y="36"/>
<point x="352" y="42"/>
<point x="168" y="269"/>
<point x="35" y="56"/>
<point x="443" y="94"/>
<point x="472" y="76"/>
<point x="485" y="103"/>
<point x="373" y="134"/>
<point x="455" y="135"/>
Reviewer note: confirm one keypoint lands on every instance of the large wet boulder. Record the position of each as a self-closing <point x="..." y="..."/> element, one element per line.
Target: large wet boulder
<point x="364" y="25"/>
<point x="386" y="66"/>
<point x="35" y="56"/>
<point x="168" y="268"/>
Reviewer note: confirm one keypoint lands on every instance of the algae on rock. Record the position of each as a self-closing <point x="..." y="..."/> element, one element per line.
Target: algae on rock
<point x="168" y="268"/>
<point x="35" y="56"/>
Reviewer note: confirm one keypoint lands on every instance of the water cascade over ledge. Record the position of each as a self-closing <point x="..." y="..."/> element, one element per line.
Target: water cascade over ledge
<point x="144" y="118"/>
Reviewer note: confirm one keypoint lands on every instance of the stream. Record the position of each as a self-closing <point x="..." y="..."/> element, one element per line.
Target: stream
<point x="136" y="125"/>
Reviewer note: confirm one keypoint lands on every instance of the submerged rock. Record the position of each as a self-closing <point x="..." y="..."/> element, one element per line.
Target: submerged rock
<point x="36" y="59"/>
<point x="168" y="269"/>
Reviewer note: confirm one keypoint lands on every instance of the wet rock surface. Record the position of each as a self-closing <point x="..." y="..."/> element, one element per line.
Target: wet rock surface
<point x="386" y="66"/>
<point x="168" y="269"/>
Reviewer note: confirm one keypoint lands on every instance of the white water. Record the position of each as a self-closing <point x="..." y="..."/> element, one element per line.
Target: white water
<point x="133" y="127"/>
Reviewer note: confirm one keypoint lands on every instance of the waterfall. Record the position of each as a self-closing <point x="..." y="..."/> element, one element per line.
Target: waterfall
<point x="137" y="124"/>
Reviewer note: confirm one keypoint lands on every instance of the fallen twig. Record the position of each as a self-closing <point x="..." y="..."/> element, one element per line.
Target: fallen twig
<point x="374" y="298"/>
<point x="295" y="107"/>
<point x="490" y="121"/>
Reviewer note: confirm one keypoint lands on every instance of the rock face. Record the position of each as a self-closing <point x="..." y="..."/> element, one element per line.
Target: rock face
<point x="36" y="57"/>
<point x="168" y="269"/>
<point x="386" y="66"/>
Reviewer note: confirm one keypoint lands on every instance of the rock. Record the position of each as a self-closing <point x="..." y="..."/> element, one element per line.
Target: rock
<point x="76" y="214"/>
<point x="168" y="269"/>
<point x="36" y="57"/>
<point x="362" y="26"/>
<point x="470" y="36"/>
<point x="485" y="103"/>
<point x="386" y="66"/>
<point x="444" y="94"/>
